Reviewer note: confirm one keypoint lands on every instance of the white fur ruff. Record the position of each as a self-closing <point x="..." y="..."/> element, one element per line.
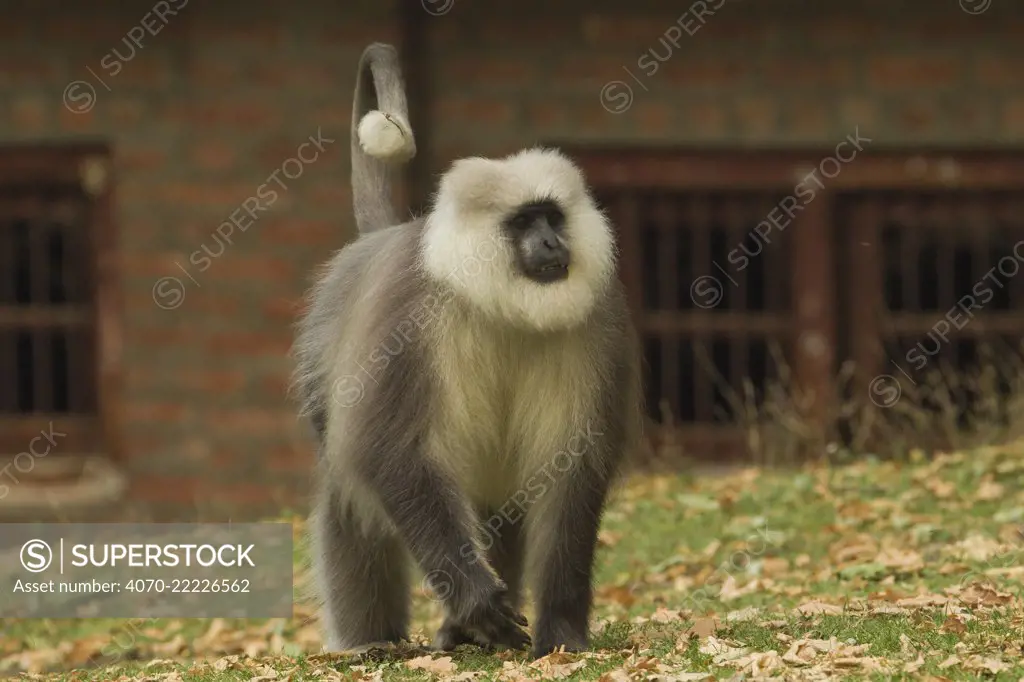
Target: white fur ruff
<point x="386" y="136"/>
<point x="463" y="245"/>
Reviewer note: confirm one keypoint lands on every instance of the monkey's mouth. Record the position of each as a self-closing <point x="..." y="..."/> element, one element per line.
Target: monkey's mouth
<point x="551" y="272"/>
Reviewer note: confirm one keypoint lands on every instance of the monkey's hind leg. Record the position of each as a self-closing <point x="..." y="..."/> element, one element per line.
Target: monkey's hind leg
<point x="362" y="580"/>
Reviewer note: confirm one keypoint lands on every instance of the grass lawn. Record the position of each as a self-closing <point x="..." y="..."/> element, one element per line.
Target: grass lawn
<point x="868" y="571"/>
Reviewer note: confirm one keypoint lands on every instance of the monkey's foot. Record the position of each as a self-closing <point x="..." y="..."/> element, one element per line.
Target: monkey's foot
<point x="492" y="625"/>
<point x="549" y="644"/>
<point x="450" y="636"/>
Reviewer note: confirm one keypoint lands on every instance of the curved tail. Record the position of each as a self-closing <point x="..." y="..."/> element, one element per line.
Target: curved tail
<point x="382" y="138"/>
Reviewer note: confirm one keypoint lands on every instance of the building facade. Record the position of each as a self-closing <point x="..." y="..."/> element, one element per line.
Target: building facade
<point x="208" y="145"/>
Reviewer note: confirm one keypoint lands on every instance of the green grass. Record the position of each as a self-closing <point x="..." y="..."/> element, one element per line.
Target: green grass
<point x="875" y="570"/>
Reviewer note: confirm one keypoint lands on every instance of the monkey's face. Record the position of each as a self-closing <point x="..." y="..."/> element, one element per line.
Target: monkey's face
<point x="520" y="239"/>
<point x="537" y="233"/>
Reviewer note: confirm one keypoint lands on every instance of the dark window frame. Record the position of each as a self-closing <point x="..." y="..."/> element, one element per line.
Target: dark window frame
<point x="814" y="251"/>
<point x="88" y="169"/>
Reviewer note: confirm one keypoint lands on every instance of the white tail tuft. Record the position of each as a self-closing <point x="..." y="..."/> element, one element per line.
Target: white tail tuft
<point x="386" y="136"/>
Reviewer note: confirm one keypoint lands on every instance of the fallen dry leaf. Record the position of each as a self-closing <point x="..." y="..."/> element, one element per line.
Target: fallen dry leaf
<point x="722" y="651"/>
<point x="819" y="607"/>
<point x="439" y="666"/>
<point x="953" y="625"/>
<point x="702" y="628"/>
<point x="905" y="561"/>
<point x="989" y="491"/>
<point x="979" y="594"/>
<point x="617" y="594"/>
<point x="557" y="665"/>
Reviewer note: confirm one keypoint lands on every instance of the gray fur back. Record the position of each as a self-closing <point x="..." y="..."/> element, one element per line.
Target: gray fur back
<point x="383" y="256"/>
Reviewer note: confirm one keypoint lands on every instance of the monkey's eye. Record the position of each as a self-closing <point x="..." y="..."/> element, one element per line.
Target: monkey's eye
<point x="554" y="218"/>
<point x="521" y="221"/>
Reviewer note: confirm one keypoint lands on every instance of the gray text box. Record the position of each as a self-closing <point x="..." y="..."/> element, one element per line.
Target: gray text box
<point x="133" y="570"/>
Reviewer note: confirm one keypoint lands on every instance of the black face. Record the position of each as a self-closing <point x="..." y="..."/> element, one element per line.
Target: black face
<point x="537" y="231"/>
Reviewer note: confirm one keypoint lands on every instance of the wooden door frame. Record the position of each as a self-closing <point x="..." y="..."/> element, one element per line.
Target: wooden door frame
<point x="87" y="166"/>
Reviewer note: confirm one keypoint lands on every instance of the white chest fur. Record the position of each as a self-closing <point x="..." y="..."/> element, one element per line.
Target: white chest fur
<point x="509" y="403"/>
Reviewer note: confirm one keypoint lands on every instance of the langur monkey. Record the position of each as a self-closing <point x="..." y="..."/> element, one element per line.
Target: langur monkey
<point x="472" y="376"/>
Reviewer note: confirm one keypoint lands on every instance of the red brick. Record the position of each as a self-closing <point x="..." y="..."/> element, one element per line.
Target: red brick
<point x="1013" y="118"/>
<point x="357" y="31"/>
<point x="756" y="114"/>
<point x="83" y="122"/>
<point x="147" y="69"/>
<point x="155" y="339"/>
<point x="858" y="110"/>
<point x="227" y="196"/>
<point x="491" y="71"/>
<point x="916" y="116"/>
<point x="291" y="459"/>
<point x="258" y="495"/>
<point x="474" y="111"/>
<point x="913" y="71"/>
<point x="545" y="115"/>
<point x="602" y="30"/>
<point x="1001" y="71"/>
<point x="329" y="193"/>
<point x="214" y="70"/>
<point x="525" y="28"/>
<point x="125" y="111"/>
<point x="255" y="114"/>
<point x="805" y="118"/>
<point x="332" y="117"/>
<point x="154" y="412"/>
<point x="200" y="380"/>
<point x="238" y="266"/>
<point x="133" y="158"/>
<point x="941" y="28"/>
<point x="238" y="344"/>
<point x="213" y="155"/>
<point x="591" y="70"/>
<point x="273" y="152"/>
<point x="27" y="70"/>
<point x="237" y="31"/>
<point x="214" y="303"/>
<point x="69" y="27"/>
<point x="182" y="491"/>
<point x="294" y="75"/>
<point x="318" y="233"/>
<point x="847" y="30"/>
<point x="29" y="114"/>
<point x="706" y="117"/>
<point x="970" y="114"/>
<point x="654" y="118"/>
<point x="697" y="72"/>
<point x="804" y="72"/>
<point x="251" y="421"/>
<point x="155" y="264"/>
<point x="278" y="384"/>
<point x="283" y="309"/>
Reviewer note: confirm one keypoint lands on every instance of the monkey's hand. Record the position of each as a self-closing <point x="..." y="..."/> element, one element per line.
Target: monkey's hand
<point x="491" y="624"/>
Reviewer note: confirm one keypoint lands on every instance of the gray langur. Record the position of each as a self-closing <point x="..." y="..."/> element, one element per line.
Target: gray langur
<point x="472" y="376"/>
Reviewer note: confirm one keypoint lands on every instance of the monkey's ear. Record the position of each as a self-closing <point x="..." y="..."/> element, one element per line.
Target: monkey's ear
<point x="474" y="182"/>
<point x="386" y="136"/>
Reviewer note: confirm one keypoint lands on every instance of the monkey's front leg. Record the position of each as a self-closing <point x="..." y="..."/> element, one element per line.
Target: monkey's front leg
<point x="565" y="525"/>
<point x="436" y="524"/>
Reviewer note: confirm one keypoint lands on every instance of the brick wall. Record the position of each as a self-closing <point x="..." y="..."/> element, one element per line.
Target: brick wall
<point x="210" y="107"/>
<point x="758" y="73"/>
<point x="199" y="117"/>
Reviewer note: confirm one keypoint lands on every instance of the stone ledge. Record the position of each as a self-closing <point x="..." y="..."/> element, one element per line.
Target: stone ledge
<point x="100" y="486"/>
